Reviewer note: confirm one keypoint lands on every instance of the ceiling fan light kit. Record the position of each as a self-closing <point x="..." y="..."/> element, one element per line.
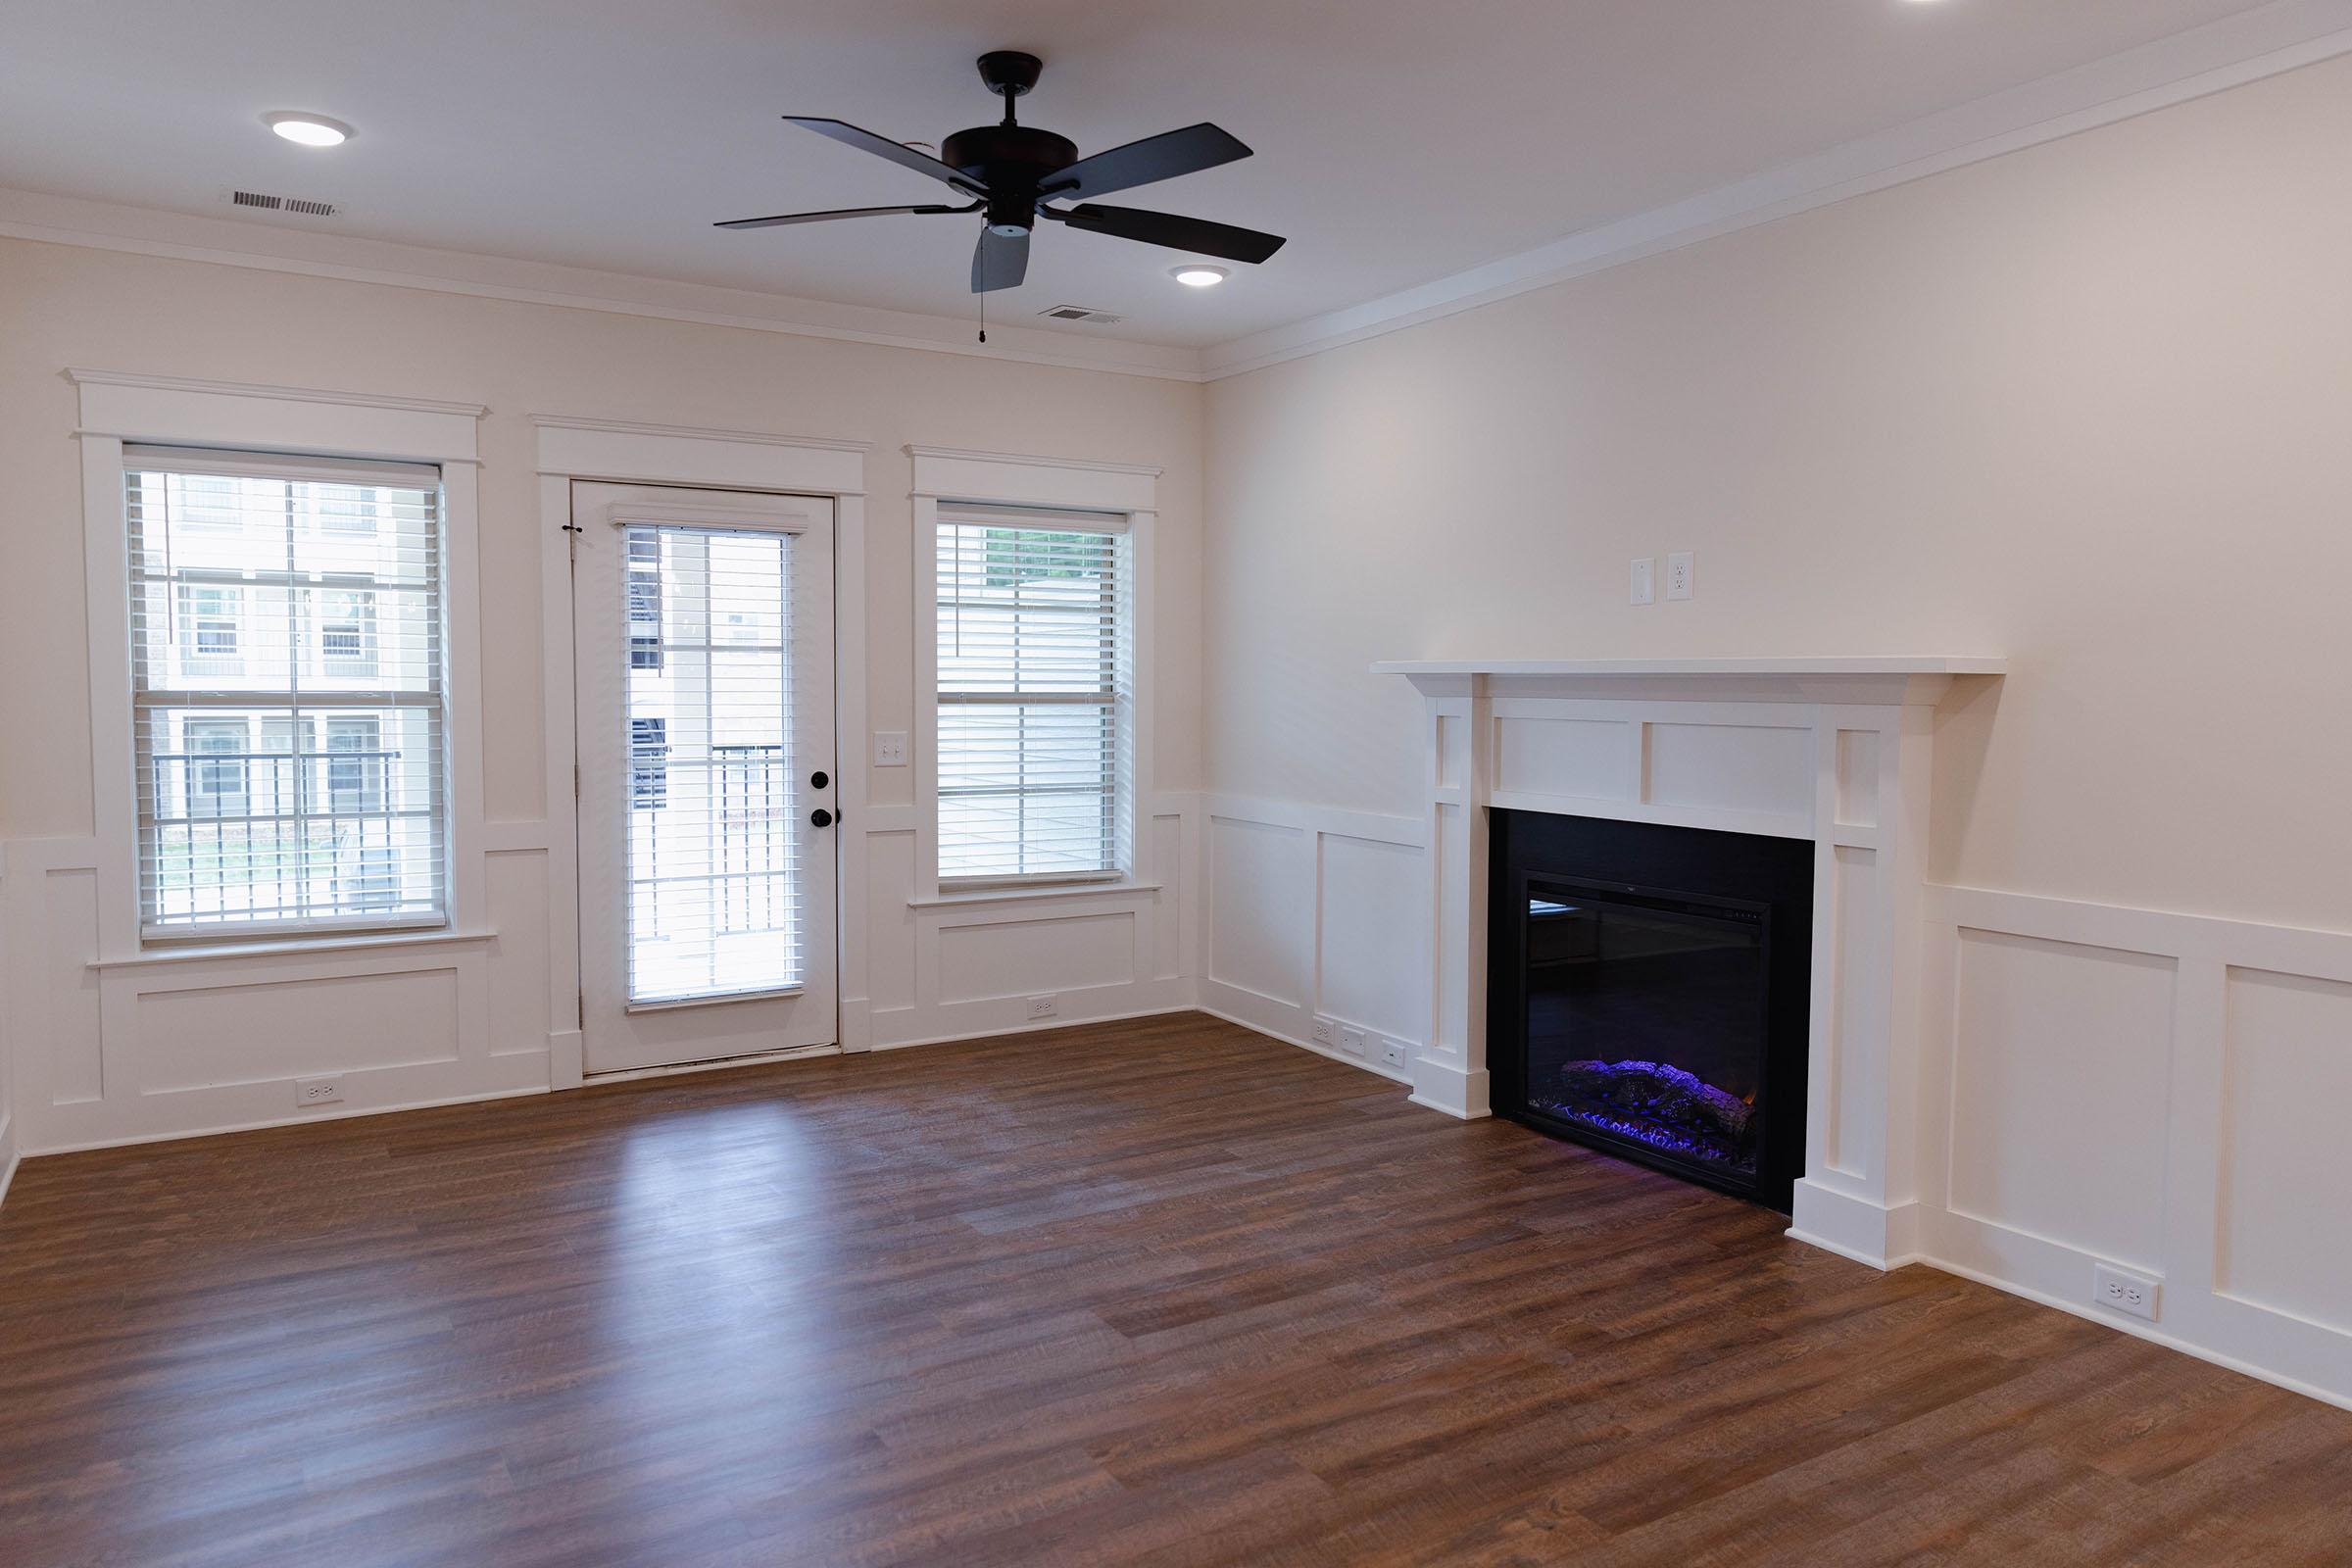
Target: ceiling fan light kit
<point x="1011" y="171"/>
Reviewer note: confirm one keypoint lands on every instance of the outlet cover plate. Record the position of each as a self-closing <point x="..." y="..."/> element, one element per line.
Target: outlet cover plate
<point x="318" y="1091"/>
<point x="2120" y="1290"/>
<point x="1044" y="1006"/>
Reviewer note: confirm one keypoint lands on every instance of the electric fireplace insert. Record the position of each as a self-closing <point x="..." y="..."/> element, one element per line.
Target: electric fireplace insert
<point x="1648" y="994"/>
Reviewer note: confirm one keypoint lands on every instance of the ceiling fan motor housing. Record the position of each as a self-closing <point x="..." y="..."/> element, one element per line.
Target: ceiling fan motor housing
<point x="1010" y="162"/>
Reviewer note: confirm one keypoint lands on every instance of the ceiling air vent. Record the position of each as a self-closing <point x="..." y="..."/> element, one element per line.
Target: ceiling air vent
<point x="261" y="202"/>
<point x="1080" y="313"/>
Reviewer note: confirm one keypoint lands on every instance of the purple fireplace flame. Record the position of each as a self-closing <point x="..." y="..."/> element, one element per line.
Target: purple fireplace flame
<point x="1656" y="1103"/>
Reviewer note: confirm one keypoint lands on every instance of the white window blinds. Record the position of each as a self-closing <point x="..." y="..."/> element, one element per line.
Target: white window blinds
<point x="286" y="682"/>
<point x="1035" y="701"/>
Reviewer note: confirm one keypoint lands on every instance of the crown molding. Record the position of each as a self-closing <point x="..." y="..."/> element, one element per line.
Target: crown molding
<point x="249" y="243"/>
<point x="2266" y="41"/>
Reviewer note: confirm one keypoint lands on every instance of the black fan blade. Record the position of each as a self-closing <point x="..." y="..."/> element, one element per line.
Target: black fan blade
<point x="1140" y="163"/>
<point x="880" y="146"/>
<point x="999" y="260"/>
<point x="838" y="212"/>
<point x="1176" y="233"/>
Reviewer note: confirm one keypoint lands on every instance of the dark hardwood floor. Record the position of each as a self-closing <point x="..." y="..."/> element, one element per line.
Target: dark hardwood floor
<point x="1160" y="1293"/>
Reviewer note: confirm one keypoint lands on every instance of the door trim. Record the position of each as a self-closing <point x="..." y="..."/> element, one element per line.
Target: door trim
<point x="678" y="456"/>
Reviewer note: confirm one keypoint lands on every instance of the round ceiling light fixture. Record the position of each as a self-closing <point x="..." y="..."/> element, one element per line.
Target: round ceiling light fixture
<point x="1199" y="275"/>
<point x="306" y="130"/>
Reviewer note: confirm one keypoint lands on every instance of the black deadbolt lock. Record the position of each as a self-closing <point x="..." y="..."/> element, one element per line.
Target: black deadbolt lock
<point x="818" y="780"/>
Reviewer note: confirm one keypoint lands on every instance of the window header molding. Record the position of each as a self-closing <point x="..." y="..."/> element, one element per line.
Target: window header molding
<point x="946" y="474"/>
<point x="630" y="453"/>
<point x="178" y="411"/>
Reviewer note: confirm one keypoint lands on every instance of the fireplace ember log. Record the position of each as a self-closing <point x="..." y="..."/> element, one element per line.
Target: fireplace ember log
<point x="1659" y="1104"/>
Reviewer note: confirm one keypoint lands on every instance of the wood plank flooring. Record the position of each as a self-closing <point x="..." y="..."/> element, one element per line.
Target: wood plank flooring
<point x="1152" y="1293"/>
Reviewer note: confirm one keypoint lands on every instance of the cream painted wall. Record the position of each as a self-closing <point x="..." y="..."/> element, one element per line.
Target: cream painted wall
<point x="2085" y="406"/>
<point x="63" y="305"/>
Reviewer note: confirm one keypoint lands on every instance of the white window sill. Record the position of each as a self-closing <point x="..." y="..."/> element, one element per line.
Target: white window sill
<point x="1022" y="895"/>
<point x="214" y="952"/>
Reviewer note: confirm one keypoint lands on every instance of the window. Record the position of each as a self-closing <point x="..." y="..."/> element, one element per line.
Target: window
<point x="286" y="690"/>
<point x="1035" y="696"/>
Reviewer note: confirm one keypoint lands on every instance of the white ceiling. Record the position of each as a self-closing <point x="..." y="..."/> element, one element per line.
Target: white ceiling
<point x="1398" y="141"/>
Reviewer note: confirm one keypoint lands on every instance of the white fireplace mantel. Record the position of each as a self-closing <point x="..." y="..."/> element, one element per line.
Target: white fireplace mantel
<point x="1832" y="750"/>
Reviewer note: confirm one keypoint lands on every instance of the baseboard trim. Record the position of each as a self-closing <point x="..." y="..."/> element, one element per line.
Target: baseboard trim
<point x="350" y="1113"/>
<point x="2143" y="1331"/>
<point x="10" y="1157"/>
<point x="1324" y="1052"/>
<point x="1040" y="1026"/>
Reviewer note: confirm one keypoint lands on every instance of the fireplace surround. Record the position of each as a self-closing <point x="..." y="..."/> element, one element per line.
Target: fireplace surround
<point x="1832" y="752"/>
<point x="1647" y="994"/>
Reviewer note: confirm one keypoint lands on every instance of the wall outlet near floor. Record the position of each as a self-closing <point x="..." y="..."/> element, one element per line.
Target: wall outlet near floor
<point x="1352" y="1040"/>
<point x="1327" y="1034"/>
<point x="318" y="1091"/>
<point x="1044" y="1006"/>
<point x="2122" y="1290"/>
<point x="1646" y="580"/>
<point x="1392" y="1052"/>
<point x="890" y="748"/>
<point x="1679" y="572"/>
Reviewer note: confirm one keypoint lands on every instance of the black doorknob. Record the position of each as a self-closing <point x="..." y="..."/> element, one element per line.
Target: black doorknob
<point x="819" y="780"/>
<point x="821" y="817"/>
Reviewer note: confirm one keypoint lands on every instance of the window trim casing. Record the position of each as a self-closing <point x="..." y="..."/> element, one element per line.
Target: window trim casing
<point x="119" y="410"/>
<point x="948" y="477"/>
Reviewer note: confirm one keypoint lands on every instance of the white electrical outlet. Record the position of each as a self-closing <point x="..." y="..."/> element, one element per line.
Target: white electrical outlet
<point x="1327" y="1032"/>
<point x="1044" y="1006"/>
<point x="890" y="748"/>
<point x="1392" y="1052"/>
<point x="1351" y="1040"/>
<point x="1678" y="575"/>
<point x="2122" y="1290"/>
<point x="318" y="1091"/>
<point x="1646" y="580"/>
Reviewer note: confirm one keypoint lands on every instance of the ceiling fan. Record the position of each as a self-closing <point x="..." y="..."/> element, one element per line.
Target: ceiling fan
<point x="1011" y="170"/>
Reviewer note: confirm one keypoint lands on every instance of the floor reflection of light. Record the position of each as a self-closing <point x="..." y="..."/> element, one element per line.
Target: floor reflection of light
<point x="716" y="1281"/>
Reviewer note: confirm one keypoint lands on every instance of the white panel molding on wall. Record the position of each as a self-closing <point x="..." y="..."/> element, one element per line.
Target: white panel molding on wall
<point x="1310" y="912"/>
<point x="2155" y="1089"/>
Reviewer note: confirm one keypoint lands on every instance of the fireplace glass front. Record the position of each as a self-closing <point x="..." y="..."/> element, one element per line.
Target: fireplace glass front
<point x="1645" y="1020"/>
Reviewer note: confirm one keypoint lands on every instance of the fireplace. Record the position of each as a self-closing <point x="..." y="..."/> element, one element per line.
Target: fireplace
<point x="1648" y="994"/>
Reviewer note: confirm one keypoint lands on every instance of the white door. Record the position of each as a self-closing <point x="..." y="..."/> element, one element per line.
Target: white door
<point x="703" y="627"/>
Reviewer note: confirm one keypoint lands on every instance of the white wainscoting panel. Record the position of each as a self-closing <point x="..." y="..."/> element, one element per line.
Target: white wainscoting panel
<point x="1317" y="911"/>
<point x="2158" y="1090"/>
<point x="953" y="967"/>
<point x="125" y="1048"/>
<point x="2286" y="1083"/>
<point x="1000" y="956"/>
<point x="1262" y="920"/>
<point x="1372" y="951"/>
<point x="2062" y="1060"/>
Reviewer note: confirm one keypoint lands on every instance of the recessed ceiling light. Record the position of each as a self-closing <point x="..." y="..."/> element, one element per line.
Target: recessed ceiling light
<point x="308" y="130"/>
<point x="1195" y="274"/>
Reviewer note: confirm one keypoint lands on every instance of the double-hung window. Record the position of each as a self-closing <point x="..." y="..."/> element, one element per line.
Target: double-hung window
<point x="287" y="693"/>
<point x="1036" y="701"/>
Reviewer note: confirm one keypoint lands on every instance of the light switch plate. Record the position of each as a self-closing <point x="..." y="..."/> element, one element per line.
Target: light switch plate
<point x="890" y="748"/>
<point x="1679" y="572"/>
<point x="1646" y="580"/>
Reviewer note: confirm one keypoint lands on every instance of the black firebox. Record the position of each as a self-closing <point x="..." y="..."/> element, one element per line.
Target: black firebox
<point x="1648" y="994"/>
